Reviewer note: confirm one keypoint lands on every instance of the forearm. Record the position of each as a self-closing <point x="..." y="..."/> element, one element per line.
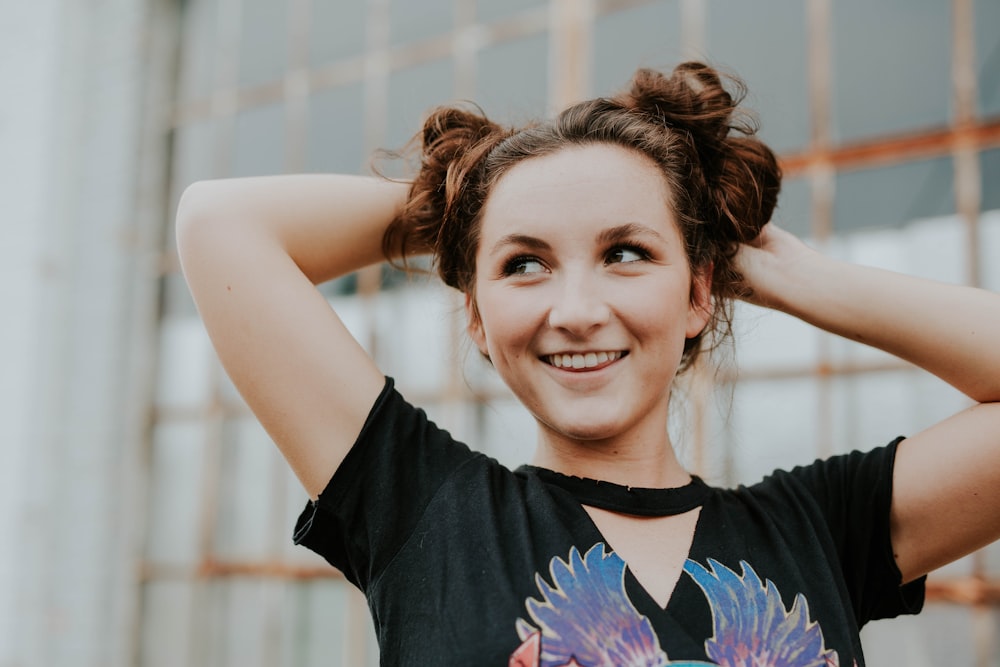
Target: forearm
<point x="329" y="225"/>
<point x="951" y="331"/>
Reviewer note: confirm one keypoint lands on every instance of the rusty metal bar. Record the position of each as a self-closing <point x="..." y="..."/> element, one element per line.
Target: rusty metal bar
<point x="919" y="145"/>
<point x="964" y="591"/>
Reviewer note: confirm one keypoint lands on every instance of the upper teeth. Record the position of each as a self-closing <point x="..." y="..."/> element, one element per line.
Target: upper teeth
<point x="587" y="360"/>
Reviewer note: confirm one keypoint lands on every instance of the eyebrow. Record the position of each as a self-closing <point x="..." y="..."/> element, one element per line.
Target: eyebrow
<point x="607" y="236"/>
<point x="629" y="230"/>
<point x="519" y="240"/>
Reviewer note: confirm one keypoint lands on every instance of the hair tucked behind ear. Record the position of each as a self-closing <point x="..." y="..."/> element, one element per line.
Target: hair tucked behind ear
<point x="441" y="212"/>
<point x="722" y="183"/>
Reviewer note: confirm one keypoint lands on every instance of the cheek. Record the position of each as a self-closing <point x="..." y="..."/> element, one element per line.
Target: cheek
<point x="509" y="320"/>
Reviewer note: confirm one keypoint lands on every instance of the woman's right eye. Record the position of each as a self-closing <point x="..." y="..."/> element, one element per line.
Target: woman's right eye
<point x="523" y="265"/>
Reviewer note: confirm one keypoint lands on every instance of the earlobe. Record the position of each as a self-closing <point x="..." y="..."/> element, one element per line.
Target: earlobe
<point x="474" y="325"/>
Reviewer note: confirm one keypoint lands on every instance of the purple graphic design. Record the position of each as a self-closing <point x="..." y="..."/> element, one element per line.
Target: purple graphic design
<point x="586" y="616"/>
<point x="752" y="628"/>
<point x="585" y="619"/>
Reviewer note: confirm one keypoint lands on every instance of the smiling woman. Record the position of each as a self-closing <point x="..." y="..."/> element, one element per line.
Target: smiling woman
<point x="599" y="253"/>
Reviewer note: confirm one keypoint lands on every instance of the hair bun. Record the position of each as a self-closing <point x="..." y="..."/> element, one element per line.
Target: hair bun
<point x="451" y="144"/>
<point x="741" y="174"/>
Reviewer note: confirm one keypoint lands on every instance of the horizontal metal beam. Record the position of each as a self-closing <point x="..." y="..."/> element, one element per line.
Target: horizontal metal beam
<point x="886" y="150"/>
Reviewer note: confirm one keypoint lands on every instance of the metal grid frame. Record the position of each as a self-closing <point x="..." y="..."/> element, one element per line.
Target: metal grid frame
<point x="569" y="24"/>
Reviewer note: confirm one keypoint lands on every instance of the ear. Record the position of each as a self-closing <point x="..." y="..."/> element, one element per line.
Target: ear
<point x="700" y="305"/>
<point x="474" y="324"/>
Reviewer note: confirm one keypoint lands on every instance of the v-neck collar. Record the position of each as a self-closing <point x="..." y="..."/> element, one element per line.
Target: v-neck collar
<point x="626" y="499"/>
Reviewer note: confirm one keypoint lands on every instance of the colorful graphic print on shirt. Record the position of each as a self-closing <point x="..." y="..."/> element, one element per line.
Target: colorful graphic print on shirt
<point x="585" y="619"/>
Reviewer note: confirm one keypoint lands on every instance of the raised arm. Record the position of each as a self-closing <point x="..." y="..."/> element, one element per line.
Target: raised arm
<point x="252" y="251"/>
<point x="946" y="482"/>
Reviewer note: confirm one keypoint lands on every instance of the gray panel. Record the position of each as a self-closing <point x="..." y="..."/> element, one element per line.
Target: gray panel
<point x="794" y="211"/>
<point x="247" y="507"/>
<point x="512" y="80"/>
<point x="892" y="196"/>
<point x="413" y="20"/>
<point x="646" y="36"/>
<point x="198" y="49"/>
<point x="990" y="166"/>
<point x="263" y="41"/>
<point x="987" y="36"/>
<point x="336" y="30"/>
<point x="259" y="142"/>
<point x="492" y="10"/>
<point x="412" y="93"/>
<point x="193" y="158"/>
<point x="175" y="493"/>
<point x="336" y="130"/>
<point x="764" y="43"/>
<point x="891" y="69"/>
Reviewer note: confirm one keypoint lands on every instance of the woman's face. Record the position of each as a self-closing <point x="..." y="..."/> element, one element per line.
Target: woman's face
<point x="583" y="293"/>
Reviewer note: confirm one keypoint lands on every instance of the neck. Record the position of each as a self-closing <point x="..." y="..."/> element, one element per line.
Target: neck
<point x="649" y="465"/>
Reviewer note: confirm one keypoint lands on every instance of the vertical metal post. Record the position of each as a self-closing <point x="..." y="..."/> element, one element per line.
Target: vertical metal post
<point x="823" y="184"/>
<point x="571" y="51"/>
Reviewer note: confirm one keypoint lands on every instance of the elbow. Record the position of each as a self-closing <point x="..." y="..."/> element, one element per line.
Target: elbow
<point x="193" y="210"/>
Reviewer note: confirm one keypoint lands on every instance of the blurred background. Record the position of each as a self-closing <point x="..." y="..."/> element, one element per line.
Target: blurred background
<point x="145" y="518"/>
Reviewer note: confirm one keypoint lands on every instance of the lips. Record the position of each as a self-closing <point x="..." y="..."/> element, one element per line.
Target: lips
<point x="583" y="360"/>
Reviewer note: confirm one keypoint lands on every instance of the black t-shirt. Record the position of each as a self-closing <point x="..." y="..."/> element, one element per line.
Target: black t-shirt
<point x="465" y="562"/>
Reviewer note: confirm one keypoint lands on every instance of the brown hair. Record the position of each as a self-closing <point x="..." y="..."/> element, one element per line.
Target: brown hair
<point x="723" y="182"/>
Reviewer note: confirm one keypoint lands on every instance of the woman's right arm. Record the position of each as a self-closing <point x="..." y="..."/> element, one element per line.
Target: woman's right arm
<point x="252" y="251"/>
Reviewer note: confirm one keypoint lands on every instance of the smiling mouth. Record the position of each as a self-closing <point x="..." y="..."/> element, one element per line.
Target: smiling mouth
<point x="583" y="360"/>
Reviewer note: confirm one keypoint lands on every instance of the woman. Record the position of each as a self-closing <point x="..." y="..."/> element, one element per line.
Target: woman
<point x="598" y="254"/>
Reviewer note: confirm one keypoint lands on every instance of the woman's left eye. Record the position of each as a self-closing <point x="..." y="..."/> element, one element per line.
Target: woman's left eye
<point x="626" y="254"/>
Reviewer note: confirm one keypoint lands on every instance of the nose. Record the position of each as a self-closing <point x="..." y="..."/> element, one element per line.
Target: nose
<point x="578" y="306"/>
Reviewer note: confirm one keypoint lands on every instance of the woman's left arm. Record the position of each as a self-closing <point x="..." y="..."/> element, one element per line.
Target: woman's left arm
<point x="946" y="481"/>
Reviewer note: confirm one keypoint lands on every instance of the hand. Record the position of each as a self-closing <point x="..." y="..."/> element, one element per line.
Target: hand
<point x="765" y="264"/>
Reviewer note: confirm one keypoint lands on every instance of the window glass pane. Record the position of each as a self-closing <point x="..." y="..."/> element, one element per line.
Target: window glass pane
<point x="987" y="38"/>
<point x="491" y="10"/>
<point x="167" y="629"/>
<point x="193" y="159"/>
<point x="512" y="80"/>
<point x="263" y="41"/>
<point x="174" y="513"/>
<point x="646" y="36"/>
<point x="185" y="363"/>
<point x="771" y="340"/>
<point x="198" y="49"/>
<point x="410" y="20"/>
<point x="774" y="426"/>
<point x="336" y="30"/>
<point x="774" y="68"/>
<point x="892" y="196"/>
<point x="989" y="164"/>
<point x="412" y="93"/>
<point x="891" y="69"/>
<point x="989" y="250"/>
<point x="420" y="359"/>
<point x="259" y="146"/>
<point x="870" y="409"/>
<point x="794" y="210"/>
<point x="247" y="505"/>
<point x="336" y="130"/>
<point x="315" y="620"/>
<point x="941" y="635"/>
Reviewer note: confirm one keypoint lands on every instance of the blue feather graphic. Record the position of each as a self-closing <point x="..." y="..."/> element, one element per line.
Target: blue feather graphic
<point x="752" y="627"/>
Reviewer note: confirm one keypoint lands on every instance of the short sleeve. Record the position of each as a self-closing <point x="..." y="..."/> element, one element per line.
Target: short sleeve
<point x="379" y="493"/>
<point x="854" y="494"/>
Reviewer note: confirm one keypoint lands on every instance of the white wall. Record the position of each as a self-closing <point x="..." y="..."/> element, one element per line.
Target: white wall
<point x="75" y="284"/>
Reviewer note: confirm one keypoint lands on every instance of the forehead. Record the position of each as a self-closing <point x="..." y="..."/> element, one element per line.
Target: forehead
<point x="597" y="183"/>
